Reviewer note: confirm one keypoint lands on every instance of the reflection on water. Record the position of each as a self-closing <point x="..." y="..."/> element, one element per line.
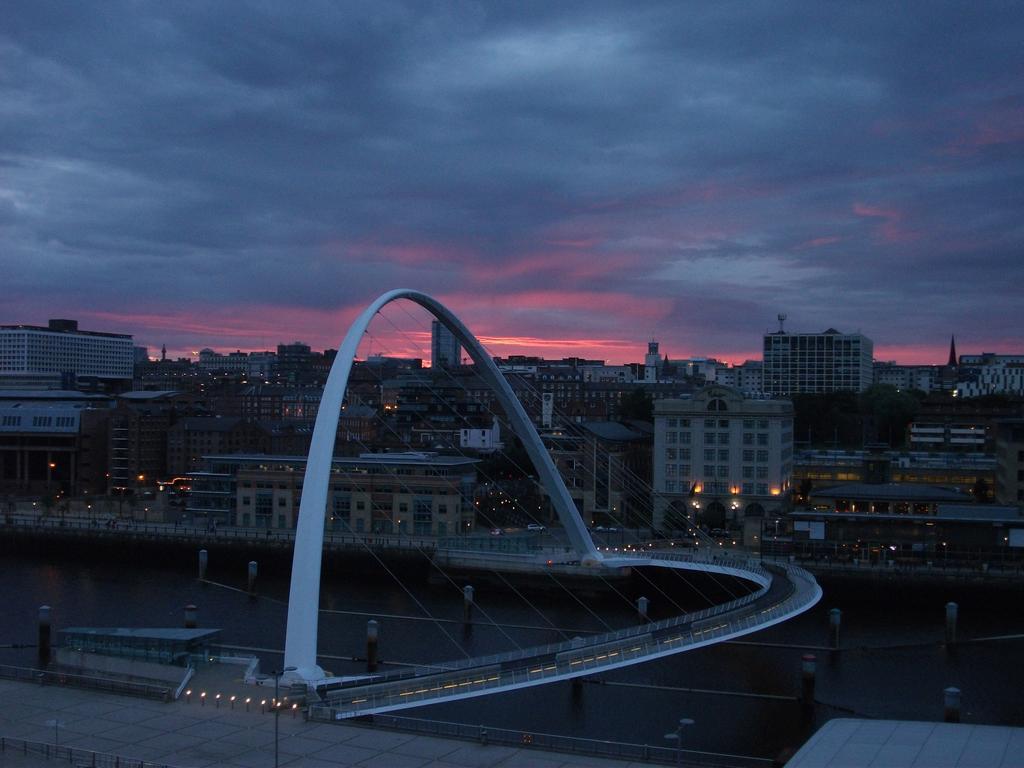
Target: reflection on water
<point x="895" y="665"/>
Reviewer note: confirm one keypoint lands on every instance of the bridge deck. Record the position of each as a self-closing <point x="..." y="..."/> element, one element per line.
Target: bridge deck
<point x="787" y="591"/>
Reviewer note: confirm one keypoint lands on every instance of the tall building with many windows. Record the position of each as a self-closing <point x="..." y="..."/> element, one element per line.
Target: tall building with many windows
<point x="720" y="457"/>
<point x="445" y="350"/>
<point x="798" y="363"/>
<point x="61" y="351"/>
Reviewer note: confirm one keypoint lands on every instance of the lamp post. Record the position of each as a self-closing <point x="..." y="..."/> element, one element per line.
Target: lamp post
<point x="677" y="737"/>
<point x="277" y="708"/>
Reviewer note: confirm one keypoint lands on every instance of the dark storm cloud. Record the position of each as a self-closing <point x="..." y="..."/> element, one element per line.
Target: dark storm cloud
<point x="698" y="167"/>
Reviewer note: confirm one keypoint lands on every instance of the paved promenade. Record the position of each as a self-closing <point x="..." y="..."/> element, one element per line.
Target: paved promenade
<point x="190" y="736"/>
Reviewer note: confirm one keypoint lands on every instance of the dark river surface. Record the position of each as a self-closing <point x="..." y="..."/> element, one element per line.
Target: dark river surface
<point x="894" y="664"/>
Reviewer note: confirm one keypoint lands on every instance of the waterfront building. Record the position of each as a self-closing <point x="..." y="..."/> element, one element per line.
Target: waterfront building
<point x="720" y="457"/>
<point x="445" y="350"/>
<point x="139" y="424"/>
<point x="188" y="439"/>
<point x="417" y="493"/>
<point x="53" y="441"/>
<point x="61" y="354"/>
<point x="798" y="363"/>
<point x="965" y="472"/>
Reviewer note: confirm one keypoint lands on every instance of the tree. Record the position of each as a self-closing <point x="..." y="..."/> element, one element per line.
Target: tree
<point x="637" y="405"/>
<point x="887" y="412"/>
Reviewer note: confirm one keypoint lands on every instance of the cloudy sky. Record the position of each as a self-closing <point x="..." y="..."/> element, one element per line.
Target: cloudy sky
<point x="569" y="178"/>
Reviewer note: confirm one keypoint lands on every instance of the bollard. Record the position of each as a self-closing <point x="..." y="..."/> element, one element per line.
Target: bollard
<point x="44" y="635"/>
<point x="835" y="618"/>
<point x="253" y="570"/>
<point x="467" y="604"/>
<point x="191" y="616"/>
<point x="951" y="614"/>
<point x="203" y="560"/>
<point x="642" y="604"/>
<point x="808" y="668"/>
<point x="951" y="701"/>
<point x="372" y="637"/>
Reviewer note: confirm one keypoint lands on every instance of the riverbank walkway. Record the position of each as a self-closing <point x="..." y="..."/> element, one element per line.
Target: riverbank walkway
<point x="189" y="735"/>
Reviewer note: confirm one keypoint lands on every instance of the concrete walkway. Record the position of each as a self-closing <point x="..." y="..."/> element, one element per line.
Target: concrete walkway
<point x="191" y="736"/>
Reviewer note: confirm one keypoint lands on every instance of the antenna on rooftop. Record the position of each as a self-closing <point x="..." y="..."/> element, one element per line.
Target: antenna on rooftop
<point x="782" y="319"/>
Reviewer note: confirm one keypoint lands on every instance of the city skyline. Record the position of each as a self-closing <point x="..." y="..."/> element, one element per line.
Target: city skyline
<point x="570" y="180"/>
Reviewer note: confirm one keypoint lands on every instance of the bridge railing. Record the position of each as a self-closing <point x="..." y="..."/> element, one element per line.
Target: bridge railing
<point x="567" y="659"/>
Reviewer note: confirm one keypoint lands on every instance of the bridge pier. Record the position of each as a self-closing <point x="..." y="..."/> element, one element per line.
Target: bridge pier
<point x="952" y="609"/>
<point x="203" y="561"/>
<point x="951" y="705"/>
<point x="191" y="616"/>
<point x="835" y="618"/>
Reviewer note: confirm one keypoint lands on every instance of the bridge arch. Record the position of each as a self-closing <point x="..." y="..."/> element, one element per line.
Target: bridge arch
<point x="304" y="594"/>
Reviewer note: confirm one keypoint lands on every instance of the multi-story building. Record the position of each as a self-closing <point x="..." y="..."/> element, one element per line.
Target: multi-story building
<point x="406" y="493"/>
<point x="720" y="457"/>
<point x="797" y="363"/>
<point x="1009" y="479"/>
<point x="61" y="351"/>
<point x="926" y="378"/>
<point x="192" y="437"/>
<point x="445" y="350"/>
<point x="138" y="436"/>
<point x="53" y="441"/>
<point x="965" y="472"/>
<point x="990" y="375"/>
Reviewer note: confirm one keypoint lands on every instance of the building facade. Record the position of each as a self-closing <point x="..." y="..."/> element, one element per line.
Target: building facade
<point x="445" y="350"/>
<point x="61" y="349"/>
<point x="720" y="457"/>
<point x="414" y="493"/>
<point x="798" y="363"/>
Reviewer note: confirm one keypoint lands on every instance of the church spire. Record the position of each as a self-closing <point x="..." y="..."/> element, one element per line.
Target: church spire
<point x="952" y="352"/>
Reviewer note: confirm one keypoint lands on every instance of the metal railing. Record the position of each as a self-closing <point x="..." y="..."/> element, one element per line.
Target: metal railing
<point x="106" y="684"/>
<point x="572" y="658"/>
<point x="78" y="757"/>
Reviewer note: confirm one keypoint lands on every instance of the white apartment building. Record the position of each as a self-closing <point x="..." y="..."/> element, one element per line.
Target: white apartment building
<point x="998" y="376"/>
<point x="720" y="457"/>
<point x="32" y="351"/>
<point x="796" y="363"/>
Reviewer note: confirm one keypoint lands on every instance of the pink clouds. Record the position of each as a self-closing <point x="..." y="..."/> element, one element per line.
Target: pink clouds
<point x="891" y="229"/>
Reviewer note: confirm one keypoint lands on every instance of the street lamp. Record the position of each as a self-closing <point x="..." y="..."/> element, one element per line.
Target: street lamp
<point x="677" y="737"/>
<point x="277" y="706"/>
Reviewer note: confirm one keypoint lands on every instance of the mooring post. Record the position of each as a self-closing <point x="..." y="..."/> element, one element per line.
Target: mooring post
<point x="467" y="604"/>
<point x="951" y="614"/>
<point x="951" y="705"/>
<point x="191" y="616"/>
<point x="642" y="604"/>
<point x="835" y="619"/>
<point x="44" y="635"/>
<point x="808" y="670"/>
<point x="203" y="560"/>
<point x="253" y="570"/>
<point x="372" y="636"/>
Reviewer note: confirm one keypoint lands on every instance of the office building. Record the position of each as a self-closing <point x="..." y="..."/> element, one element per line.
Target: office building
<point x="60" y="353"/>
<point x="445" y="350"/>
<point x="801" y="363"/>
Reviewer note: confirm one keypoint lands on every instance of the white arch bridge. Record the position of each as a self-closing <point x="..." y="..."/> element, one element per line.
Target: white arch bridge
<point x="780" y="591"/>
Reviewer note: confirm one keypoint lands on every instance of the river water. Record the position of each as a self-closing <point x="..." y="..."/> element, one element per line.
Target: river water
<point x="894" y="664"/>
